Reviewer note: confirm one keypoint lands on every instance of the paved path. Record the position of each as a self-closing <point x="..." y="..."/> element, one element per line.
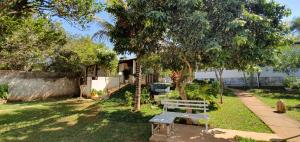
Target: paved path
<point x="281" y="124"/>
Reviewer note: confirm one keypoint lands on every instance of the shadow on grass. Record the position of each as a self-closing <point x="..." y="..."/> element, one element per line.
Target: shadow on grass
<point x="74" y="121"/>
<point x="277" y="94"/>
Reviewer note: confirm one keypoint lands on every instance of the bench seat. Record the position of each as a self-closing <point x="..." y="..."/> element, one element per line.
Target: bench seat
<point x="167" y="118"/>
<point x="164" y="118"/>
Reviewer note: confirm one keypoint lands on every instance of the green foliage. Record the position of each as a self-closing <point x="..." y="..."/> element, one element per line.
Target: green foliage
<point x="100" y="93"/>
<point x="296" y="24"/>
<point x="3" y="91"/>
<point x="215" y="88"/>
<point x="80" y="53"/>
<point x="107" y="59"/>
<point x="291" y="82"/>
<point x="202" y="92"/>
<point x="151" y="63"/>
<point x="289" y="59"/>
<point x="145" y="96"/>
<point x="195" y="91"/>
<point x="137" y="28"/>
<point x="129" y="98"/>
<point x="241" y="139"/>
<point x="77" y="11"/>
<point x="29" y="39"/>
<point x="30" y="44"/>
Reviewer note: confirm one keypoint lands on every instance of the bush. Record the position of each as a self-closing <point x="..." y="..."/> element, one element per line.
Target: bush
<point x="3" y="91"/>
<point x="197" y="91"/>
<point x="205" y="91"/>
<point x="145" y="96"/>
<point x="215" y="88"/>
<point x="100" y="93"/>
<point x="129" y="98"/>
<point x="292" y="83"/>
<point x="97" y="93"/>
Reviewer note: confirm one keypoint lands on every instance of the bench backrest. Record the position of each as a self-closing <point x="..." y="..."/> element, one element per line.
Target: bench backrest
<point x="185" y="104"/>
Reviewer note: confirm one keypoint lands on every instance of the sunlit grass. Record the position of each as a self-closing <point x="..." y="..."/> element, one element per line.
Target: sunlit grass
<point x="290" y="99"/>
<point x="110" y="120"/>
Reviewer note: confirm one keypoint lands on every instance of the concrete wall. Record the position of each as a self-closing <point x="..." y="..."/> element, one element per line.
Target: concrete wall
<point x="27" y="86"/>
<point x="268" y="77"/>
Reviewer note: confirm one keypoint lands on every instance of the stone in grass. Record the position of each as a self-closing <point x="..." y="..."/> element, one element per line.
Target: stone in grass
<point x="280" y="106"/>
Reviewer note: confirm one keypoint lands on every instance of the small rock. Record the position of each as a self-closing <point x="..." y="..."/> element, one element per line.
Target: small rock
<point x="280" y="107"/>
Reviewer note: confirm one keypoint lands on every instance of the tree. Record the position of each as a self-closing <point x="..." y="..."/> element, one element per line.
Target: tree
<point x="78" y="11"/>
<point x="181" y="67"/>
<point x="27" y="35"/>
<point x="261" y="34"/>
<point x="218" y="52"/>
<point x="81" y="53"/>
<point x="151" y="64"/>
<point x="289" y="59"/>
<point x="29" y="46"/>
<point x="184" y="40"/>
<point x="296" y="24"/>
<point x="137" y="29"/>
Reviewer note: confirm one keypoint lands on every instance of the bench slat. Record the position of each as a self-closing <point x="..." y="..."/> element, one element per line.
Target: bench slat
<point x="186" y="104"/>
<point x="193" y="101"/>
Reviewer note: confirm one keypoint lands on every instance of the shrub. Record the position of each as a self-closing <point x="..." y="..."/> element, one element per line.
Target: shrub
<point x="145" y="96"/>
<point x="206" y="92"/>
<point x="292" y="83"/>
<point x="215" y="88"/>
<point x="100" y="93"/>
<point x="3" y="91"/>
<point x="129" y="98"/>
<point x="197" y="91"/>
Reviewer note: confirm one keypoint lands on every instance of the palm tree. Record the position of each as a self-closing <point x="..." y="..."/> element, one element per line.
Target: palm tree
<point x="132" y="32"/>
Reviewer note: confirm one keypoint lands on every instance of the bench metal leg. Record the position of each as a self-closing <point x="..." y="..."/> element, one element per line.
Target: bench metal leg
<point x="206" y="127"/>
<point x="168" y="130"/>
<point x="152" y="129"/>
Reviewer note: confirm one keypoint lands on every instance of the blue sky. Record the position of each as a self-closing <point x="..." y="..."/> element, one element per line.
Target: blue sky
<point x="93" y="27"/>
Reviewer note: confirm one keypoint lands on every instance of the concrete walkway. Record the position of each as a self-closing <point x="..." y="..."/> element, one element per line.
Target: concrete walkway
<point x="281" y="124"/>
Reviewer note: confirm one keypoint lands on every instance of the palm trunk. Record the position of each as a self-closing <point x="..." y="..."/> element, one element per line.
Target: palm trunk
<point x="137" y="101"/>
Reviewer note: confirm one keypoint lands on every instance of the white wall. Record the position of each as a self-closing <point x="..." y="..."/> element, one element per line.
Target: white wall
<point x="211" y="74"/>
<point x="268" y="77"/>
<point x="103" y="83"/>
<point x="266" y="72"/>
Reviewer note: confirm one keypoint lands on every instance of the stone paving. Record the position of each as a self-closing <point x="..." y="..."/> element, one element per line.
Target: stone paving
<point x="284" y="126"/>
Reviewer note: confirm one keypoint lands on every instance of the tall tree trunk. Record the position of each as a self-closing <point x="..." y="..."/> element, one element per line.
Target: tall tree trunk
<point x="221" y="80"/>
<point x="257" y="79"/>
<point x="245" y="79"/>
<point x="137" y="98"/>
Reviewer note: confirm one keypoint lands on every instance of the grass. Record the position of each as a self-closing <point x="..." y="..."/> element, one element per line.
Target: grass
<point x="232" y="114"/>
<point x="241" y="139"/>
<point x="107" y="121"/>
<point x="270" y="97"/>
<point x="75" y="120"/>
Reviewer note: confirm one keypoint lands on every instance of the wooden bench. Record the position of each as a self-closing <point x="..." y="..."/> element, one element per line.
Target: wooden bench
<point x="167" y="118"/>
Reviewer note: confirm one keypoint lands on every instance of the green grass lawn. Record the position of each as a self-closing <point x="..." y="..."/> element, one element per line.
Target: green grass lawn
<point x="110" y="120"/>
<point x="232" y="114"/>
<point x="271" y="97"/>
